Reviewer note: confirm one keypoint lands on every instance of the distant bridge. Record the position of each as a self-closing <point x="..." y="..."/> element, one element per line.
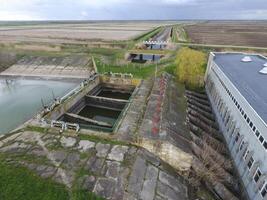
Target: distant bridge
<point x="155" y="42"/>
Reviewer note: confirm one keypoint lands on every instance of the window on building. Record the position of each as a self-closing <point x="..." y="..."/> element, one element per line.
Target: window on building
<point x="237" y="137"/>
<point x="248" y="120"/>
<point x="250" y="162"/>
<point x="261" y="139"/>
<point x="242" y="112"/>
<point x="264" y="190"/>
<point x="246" y="154"/>
<point x="257" y="175"/>
<point x="257" y="133"/>
<point x="265" y="145"/>
<point x="254" y="128"/>
<point x="241" y="145"/>
<point x="238" y="106"/>
<point x="227" y="120"/>
<point x="245" y="116"/>
<point x="251" y="124"/>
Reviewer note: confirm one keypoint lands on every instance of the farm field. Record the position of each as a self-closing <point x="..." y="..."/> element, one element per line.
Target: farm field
<point x="239" y="33"/>
<point x="106" y="31"/>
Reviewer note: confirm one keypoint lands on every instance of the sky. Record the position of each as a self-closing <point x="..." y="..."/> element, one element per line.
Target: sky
<point x="132" y="9"/>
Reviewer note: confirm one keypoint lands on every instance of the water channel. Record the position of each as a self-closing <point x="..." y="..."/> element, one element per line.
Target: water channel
<point x="21" y="99"/>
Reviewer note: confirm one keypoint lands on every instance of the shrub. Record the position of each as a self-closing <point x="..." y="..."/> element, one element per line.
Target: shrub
<point x="191" y="65"/>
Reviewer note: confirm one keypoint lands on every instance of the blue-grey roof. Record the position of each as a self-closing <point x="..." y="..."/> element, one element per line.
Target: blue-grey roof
<point x="246" y="78"/>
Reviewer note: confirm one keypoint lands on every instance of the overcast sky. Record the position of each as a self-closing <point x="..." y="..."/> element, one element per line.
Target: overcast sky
<point x="131" y="9"/>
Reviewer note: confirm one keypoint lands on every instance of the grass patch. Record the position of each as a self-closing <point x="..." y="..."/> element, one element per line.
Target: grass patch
<point x="137" y="70"/>
<point x="36" y="129"/>
<point x="27" y="52"/>
<point x="195" y="88"/>
<point x="96" y="139"/>
<point x="179" y="34"/>
<point x="18" y="183"/>
<point x="141" y="71"/>
<point x="42" y="160"/>
<point x="148" y="35"/>
<point x="80" y="194"/>
<point x="171" y="69"/>
<point x="151" y="51"/>
<point x="82" y="172"/>
<point x="104" y="51"/>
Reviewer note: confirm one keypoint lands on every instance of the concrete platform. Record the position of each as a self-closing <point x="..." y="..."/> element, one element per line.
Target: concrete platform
<point x="57" y="67"/>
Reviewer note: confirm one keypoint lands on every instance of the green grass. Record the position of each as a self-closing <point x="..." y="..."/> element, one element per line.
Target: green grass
<point x="174" y="35"/>
<point x="137" y="70"/>
<point x="110" y="55"/>
<point x="28" y="158"/>
<point x="96" y="139"/>
<point x="23" y="52"/>
<point x="36" y="129"/>
<point x="80" y="194"/>
<point x="141" y="71"/>
<point x="148" y="35"/>
<point x="179" y="34"/>
<point x="105" y="51"/>
<point x="18" y="183"/>
<point x="171" y="69"/>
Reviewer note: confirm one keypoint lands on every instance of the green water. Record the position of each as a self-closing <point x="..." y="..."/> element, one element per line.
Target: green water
<point x="20" y="100"/>
<point x="100" y="114"/>
<point x="114" y="95"/>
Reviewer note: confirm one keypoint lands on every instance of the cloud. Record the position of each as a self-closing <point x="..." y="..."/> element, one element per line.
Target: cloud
<point x="253" y="14"/>
<point x="131" y="9"/>
<point x="84" y="13"/>
<point x="12" y="16"/>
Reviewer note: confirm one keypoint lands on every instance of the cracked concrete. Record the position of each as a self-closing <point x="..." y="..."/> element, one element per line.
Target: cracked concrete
<point x="111" y="171"/>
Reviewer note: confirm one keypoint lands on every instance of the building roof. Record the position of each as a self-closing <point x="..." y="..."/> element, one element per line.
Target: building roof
<point x="246" y="78"/>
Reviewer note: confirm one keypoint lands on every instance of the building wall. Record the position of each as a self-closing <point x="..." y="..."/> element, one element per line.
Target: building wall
<point x="228" y="105"/>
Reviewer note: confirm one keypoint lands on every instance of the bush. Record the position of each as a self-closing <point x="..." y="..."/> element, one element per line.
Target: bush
<point x="191" y="66"/>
